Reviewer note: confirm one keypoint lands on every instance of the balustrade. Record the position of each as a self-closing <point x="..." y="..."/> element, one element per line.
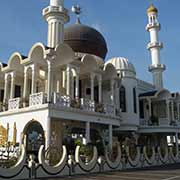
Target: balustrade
<point x="37" y="99"/>
<point x="14" y="103"/>
<point x="109" y="109"/>
<point x="87" y="104"/>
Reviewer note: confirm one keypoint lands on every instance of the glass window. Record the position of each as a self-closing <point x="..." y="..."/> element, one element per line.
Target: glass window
<point x="122" y="98"/>
<point x="134" y="100"/>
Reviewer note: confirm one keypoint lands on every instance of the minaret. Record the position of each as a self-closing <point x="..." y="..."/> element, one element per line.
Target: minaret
<point x="153" y="27"/>
<point x="56" y="16"/>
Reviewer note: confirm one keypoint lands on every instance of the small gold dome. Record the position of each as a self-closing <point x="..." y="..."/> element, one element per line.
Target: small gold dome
<point x="152" y="9"/>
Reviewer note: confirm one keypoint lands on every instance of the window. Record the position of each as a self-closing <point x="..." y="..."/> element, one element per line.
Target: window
<point x="17" y="91"/>
<point x="134" y="100"/>
<point x="122" y="98"/>
<point x="1" y="95"/>
<point x="141" y="109"/>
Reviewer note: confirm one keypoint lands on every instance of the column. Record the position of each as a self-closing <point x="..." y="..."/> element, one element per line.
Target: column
<point x="68" y="86"/>
<point x="110" y="136"/>
<point x="72" y="87"/>
<point x="64" y="79"/>
<point x="112" y="91"/>
<point x="100" y="88"/>
<point x="25" y="84"/>
<point x="77" y="84"/>
<point x="178" y="112"/>
<point x="12" y="86"/>
<point x="172" y="110"/>
<point x="6" y="88"/>
<point x="87" y="132"/>
<point x="177" y="143"/>
<point x="150" y="109"/>
<point x="50" y="81"/>
<point x="33" y="88"/>
<point x="48" y="132"/>
<point x="92" y="86"/>
<point x="167" y="109"/>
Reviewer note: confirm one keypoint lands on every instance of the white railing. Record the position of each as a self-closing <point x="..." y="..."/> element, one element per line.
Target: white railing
<point x="62" y="100"/>
<point x="143" y="122"/>
<point x="164" y="122"/>
<point x="37" y="99"/>
<point x="87" y="104"/>
<point x="14" y="103"/>
<point x="109" y="109"/>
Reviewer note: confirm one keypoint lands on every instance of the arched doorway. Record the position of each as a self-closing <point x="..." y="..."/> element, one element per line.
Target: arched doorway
<point x="34" y="134"/>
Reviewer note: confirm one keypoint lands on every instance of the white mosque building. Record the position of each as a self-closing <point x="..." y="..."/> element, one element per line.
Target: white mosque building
<point x="67" y="88"/>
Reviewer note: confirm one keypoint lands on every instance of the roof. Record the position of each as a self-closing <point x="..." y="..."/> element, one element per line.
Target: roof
<point x="85" y="39"/>
<point x="150" y="93"/>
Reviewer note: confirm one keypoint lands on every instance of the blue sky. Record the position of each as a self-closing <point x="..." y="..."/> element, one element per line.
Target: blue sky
<point x="122" y="22"/>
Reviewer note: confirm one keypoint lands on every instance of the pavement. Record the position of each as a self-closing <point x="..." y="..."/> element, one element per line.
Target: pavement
<point x="169" y="172"/>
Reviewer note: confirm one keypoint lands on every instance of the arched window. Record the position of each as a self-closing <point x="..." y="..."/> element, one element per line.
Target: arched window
<point x="122" y="98"/>
<point x="134" y="100"/>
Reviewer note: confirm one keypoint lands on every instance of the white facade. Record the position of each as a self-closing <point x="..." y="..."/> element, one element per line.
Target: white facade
<point x="58" y="88"/>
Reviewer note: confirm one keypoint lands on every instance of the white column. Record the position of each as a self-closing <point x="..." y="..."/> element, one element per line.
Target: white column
<point x="100" y="88"/>
<point x="33" y="88"/>
<point x="48" y="132"/>
<point x="12" y="86"/>
<point x="112" y="91"/>
<point x="50" y="81"/>
<point x="178" y="112"/>
<point x="72" y="87"/>
<point x="150" y="110"/>
<point x="92" y="86"/>
<point x="87" y="132"/>
<point x="64" y="79"/>
<point x="6" y="88"/>
<point x="25" y="83"/>
<point x="68" y="86"/>
<point x="167" y="110"/>
<point x="177" y="142"/>
<point x="110" y="136"/>
<point x="77" y="86"/>
<point x="172" y="110"/>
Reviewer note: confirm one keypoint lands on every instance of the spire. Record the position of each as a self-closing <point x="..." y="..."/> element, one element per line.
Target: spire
<point x="77" y="10"/>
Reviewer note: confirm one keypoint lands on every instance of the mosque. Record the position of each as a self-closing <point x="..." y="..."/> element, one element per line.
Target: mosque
<point x="67" y="89"/>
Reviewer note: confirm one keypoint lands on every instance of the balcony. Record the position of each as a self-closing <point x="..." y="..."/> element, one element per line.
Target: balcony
<point x="160" y="122"/>
<point x="61" y="102"/>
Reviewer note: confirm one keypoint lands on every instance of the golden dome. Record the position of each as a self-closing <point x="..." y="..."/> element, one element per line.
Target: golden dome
<point x="152" y="9"/>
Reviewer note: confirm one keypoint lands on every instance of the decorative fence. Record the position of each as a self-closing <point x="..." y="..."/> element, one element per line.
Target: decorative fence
<point x="74" y="164"/>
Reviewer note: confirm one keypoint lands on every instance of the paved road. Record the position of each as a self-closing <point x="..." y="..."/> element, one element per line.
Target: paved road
<point x="171" y="172"/>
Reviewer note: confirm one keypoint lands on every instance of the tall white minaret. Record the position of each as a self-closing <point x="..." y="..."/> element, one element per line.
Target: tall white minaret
<point x="56" y="16"/>
<point x="154" y="46"/>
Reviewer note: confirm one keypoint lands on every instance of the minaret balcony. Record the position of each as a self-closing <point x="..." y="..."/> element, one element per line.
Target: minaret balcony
<point x="155" y="45"/>
<point x="54" y="11"/>
<point x="160" y="67"/>
<point x="153" y="25"/>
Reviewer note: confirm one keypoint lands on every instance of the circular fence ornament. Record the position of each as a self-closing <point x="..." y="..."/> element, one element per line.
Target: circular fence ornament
<point x="114" y="164"/>
<point x="89" y="165"/>
<point x="17" y="168"/>
<point x="165" y="158"/>
<point x="171" y="153"/>
<point x="149" y="160"/>
<point x="53" y="169"/>
<point x="134" y="162"/>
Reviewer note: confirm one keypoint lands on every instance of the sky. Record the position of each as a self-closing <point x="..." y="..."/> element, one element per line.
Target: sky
<point x="122" y="23"/>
